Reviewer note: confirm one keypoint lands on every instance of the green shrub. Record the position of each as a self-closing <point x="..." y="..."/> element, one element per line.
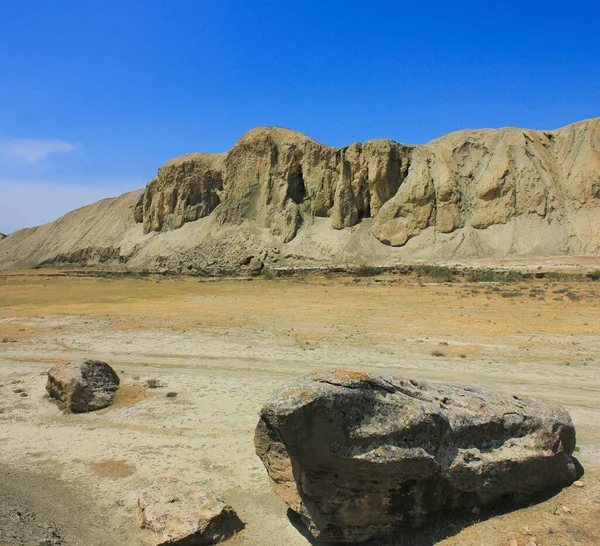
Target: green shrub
<point x="302" y="275"/>
<point x="562" y="276"/>
<point x="509" y="294"/>
<point x="154" y="384"/>
<point x="481" y="275"/>
<point x="489" y="275"/>
<point x="268" y="273"/>
<point x="436" y="273"/>
<point x="365" y="271"/>
<point x="594" y="275"/>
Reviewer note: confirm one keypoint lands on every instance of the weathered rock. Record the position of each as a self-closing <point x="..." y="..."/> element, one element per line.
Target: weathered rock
<point x="181" y="514"/>
<point x="186" y="188"/>
<point x="358" y="455"/>
<point x="2" y="236"/>
<point x="255" y="266"/>
<point x="273" y="177"/>
<point x="83" y="385"/>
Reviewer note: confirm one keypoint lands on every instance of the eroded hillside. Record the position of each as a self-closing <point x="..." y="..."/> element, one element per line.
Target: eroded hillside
<point x="281" y="196"/>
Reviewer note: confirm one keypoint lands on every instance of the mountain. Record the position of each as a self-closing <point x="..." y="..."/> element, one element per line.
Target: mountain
<point x="279" y="195"/>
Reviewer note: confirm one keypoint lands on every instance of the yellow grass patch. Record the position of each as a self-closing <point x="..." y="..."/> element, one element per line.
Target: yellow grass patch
<point x="129" y="394"/>
<point x="113" y="468"/>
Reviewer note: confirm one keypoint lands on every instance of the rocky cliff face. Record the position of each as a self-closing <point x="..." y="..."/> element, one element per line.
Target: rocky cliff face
<point x="278" y="179"/>
<point x="484" y="178"/>
<point x="274" y="178"/>
<point x="186" y="189"/>
<point x="470" y="194"/>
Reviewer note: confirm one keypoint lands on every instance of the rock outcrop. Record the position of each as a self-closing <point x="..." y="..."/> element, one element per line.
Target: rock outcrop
<point x="2" y="236"/>
<point x="359" y="455"/>
<point x="485" y="178"/>
<point x="184" y="515"/>
<point x="186" y="189"/>
<point x="83" y="385"/>
<point x="471" y="194"/>
<point x="276" y="178"/>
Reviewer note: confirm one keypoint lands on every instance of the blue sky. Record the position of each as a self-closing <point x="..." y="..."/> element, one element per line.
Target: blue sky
<point x="94" y="96"/>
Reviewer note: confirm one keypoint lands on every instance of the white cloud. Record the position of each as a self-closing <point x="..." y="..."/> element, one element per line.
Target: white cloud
<point x="27" y="204"/>
<point x="31" y="150"/>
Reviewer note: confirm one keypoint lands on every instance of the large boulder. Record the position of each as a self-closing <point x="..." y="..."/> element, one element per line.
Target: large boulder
<point x="359" y="455"/>
<point x="83" y="385"/>
<point x="184" y="515"/>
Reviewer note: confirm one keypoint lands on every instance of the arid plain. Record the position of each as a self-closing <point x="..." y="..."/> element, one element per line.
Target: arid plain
<point x="198" y="357"/>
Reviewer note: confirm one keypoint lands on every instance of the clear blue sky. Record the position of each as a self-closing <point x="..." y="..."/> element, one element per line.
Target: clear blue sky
<point x="94" y="96"/>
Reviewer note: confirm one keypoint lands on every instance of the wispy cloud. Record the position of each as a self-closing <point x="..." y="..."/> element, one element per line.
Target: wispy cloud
<point x="30" y="150"/>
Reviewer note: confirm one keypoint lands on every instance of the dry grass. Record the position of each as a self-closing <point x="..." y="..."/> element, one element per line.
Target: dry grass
<point x="113" y="468"/>
<point x="321" y="310"/>
<point x="532" y="329"/>
<point x="128" y="394"/>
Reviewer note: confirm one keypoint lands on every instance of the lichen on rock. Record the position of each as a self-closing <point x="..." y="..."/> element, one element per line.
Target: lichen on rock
<point x="359" y="455"/>
<point x="83" y="385"/>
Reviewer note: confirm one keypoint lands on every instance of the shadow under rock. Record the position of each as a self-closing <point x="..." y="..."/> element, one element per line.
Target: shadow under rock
<point x="440" y="527"/>
<point x="427" y="535"/>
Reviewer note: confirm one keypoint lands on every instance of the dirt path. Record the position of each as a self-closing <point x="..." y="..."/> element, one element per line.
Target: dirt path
<point x="39" y="509"/>
<point x="225" y="347"/>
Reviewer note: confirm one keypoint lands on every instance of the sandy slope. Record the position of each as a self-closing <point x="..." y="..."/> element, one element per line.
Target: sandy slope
<point x="105" y="224"/>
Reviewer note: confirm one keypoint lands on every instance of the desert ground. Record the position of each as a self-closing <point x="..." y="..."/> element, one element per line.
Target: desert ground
<point x="198" y="357"/>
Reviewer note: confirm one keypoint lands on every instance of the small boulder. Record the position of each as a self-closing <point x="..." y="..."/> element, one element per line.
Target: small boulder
<point x="256" y="266"/>
<point x="360" y="455"/>
<point x="184" y="515"/>
<point x="83" y="385"/>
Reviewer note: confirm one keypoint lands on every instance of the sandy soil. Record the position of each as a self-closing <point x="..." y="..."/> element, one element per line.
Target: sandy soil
<point x="224" y="347"/>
